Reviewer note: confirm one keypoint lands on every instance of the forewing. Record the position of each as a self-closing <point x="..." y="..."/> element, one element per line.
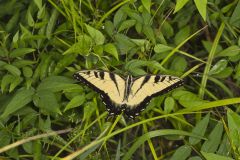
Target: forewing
<point x="111" y="86"/>
<point x="146" y="87"/>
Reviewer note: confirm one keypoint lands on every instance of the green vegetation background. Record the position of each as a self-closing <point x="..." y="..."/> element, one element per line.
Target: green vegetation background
<point x="46" y="114"/>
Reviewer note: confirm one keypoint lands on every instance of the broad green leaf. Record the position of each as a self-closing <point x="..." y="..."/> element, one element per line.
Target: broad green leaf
<point x="38" y="3"/>
<point x="212" y="156"/>
<point x="75" y="102"/>
<point x="179" y="63"/>
<point x="230" y="51"/>
<point x="12" y="69"/>
<point x="46" y="100"/>
<point x="15" y="39"/>
<point x="234" y="128"/>
<point x="214" y="139"/>
<point x="27" y="147"/>
<point x="119" y="16"/>
<point x="52" y="23"/>
<point x="64" y="62"/>
<point x="112" y="50"/>
<point x="124" y="43"/>
<point x="208" y="45"/>
<point x="188" y="99"/>
<point x="56" y="83"/>
<point x="82" y="47"/>
<point x="30" y="19"/>
<point x="147" y="4"/>
<point x="202" y="8"/>
<point x="148" y="31"/>
<point x="169" y="105"/>
<point x="182" y="34"/>
<point x="5" y="137"/>
<point x="126" y="24"/>
<point x="6" y="81"/>
<point x="15" y="83"/>
<point x="109" y="28"/>
<point x="218" y="67"/>
<point x="199" y="130"/>
<point x="159" y="48"/>
<point x="225" y="73"/>
<point x="21" y="98"/>
<point x="95" y="34"/>
<point x="225" y="147"/>
<point x="27" y="72"/>
<point x="20" y="52"/>
<point x="234" y="20"/>
<point x="182" y="153"/>
<point x="167" y="31"/>
<point x="179" y="5"/>
<point x="12" y="22"/>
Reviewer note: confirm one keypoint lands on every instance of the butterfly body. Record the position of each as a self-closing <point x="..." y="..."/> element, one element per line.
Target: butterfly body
<point x="129" y="95"/>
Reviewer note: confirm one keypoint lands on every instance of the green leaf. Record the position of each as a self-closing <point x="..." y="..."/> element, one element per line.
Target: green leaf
<point x="148" y="31"/>
<point x="169" y="105"/>
<point x="111" y="49"/>
<point x="214" y="139"/>
<point x="15" y="83"/>
<point x="230" y="51"/>
<point x="95" y="34"/>
<point x="225" y="73"/>
<point x="20" y="99"/>
<point x="159" y="48"/>
<point x="119" y="16"/>
<point x="147" y="4"/>
<point x="218" y="67"/>
<point x="208" y="45"/>
<point x="178" y="64"/>
<point x="179" y="5"/>
<point x="46" y="100"/>
<point x="56" y="83"/>
<point x="20" y="52"/>
<point x="234" y="20"/>
<point x="82" y="47"/>
<point x="199" y="130"/>
<point x="182" y="153"/>
<point x="52" y="23"/>
<point x="75" y="102"/>
<point x="12" y="69"/>
<point x="38" y="3"/>
<point x="6" y="81"/>
<point x="27" y="72"/>
<point x="188" y="99"/>
<point x="30" y="19"/>
<point x="234" y="128"/>
<point x="202" y="8"/>
<point x="182" y="35"/>
<point x="109" y="28"/>
<point x="126" y="24"/>
<point x="212" y="156"/>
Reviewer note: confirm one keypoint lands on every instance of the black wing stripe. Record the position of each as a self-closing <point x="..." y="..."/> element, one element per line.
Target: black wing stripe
<point x="113" y="78"/>
<point x="162" y="78"/>
<point x="95" y="74"/>
<point x="102" y="75"/>
<point x="156" y="79"/>
<point x="145" y="80"/>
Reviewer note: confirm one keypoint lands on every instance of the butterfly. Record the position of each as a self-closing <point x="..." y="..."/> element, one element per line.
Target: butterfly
<point x="129" y="95"/>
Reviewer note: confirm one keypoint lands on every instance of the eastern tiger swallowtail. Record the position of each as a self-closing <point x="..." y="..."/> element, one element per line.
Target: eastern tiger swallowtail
<point x="130" y="95"/>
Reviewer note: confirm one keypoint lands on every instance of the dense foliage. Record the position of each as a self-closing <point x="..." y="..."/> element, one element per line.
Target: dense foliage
<point x="46" y="114"/>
